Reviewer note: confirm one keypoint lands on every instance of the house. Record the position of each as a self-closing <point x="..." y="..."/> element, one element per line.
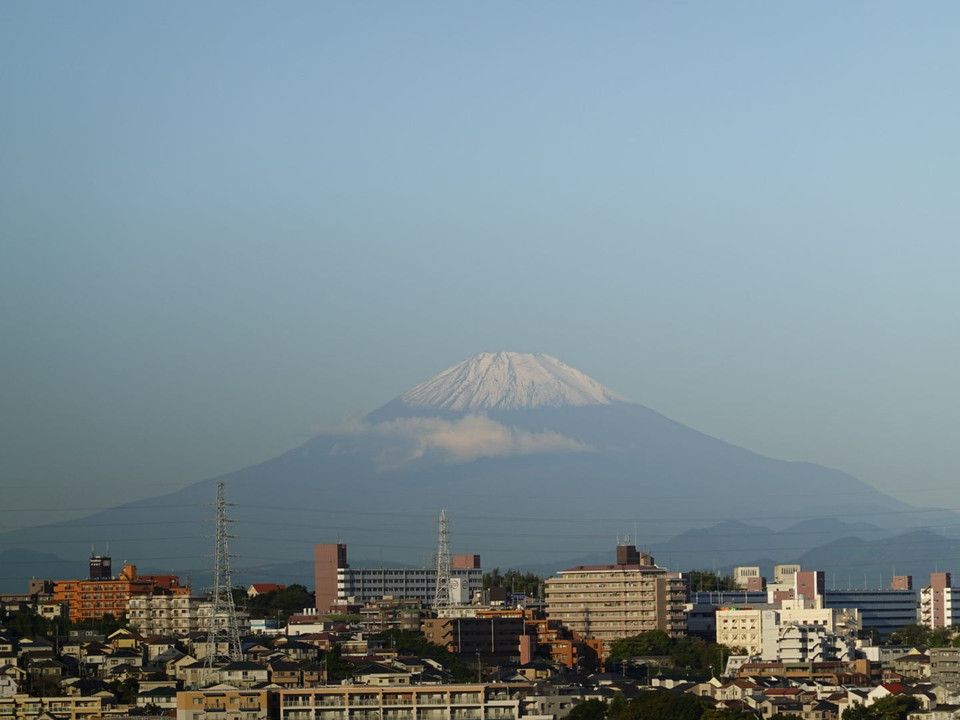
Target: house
<point x="122" y="657"/>
<point x="285" y="673"/>
<point x="125" y="639"/>
<point x="263" y="588"/>
<point x="243" y="674"/>
<point x="161" y="697"/>
<point x="8" y="686"/>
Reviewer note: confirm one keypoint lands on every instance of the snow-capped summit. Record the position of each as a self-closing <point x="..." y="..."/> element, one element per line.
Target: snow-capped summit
<point x="509" y="381"/>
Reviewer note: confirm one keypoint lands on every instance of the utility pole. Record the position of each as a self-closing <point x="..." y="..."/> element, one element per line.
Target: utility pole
<point x="441" y="599"/>
<point x="224" y="628"/>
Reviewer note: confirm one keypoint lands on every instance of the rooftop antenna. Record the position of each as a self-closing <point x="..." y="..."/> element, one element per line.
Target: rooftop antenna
<point x="223" y="628"/>
<point x="441" y="598"/>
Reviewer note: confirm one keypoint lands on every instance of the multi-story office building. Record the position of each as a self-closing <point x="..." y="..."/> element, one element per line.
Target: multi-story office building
<point x="883" y="610"/>
<point x="338" y="583"/>
<point x="608" y="602"/>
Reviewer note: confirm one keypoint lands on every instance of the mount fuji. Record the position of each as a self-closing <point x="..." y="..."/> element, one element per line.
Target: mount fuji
<point x="534" y="462"/>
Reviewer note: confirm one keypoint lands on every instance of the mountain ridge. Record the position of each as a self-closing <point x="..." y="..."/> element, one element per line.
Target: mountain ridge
<point x="520" y="485"/>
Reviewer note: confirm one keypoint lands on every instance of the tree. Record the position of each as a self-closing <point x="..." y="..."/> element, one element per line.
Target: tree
<point x="656" y="705"/>
<point x="337" y="669"/>
<point x="707" y="581"/>
<point x="276" y="604"/>
<point x="589" y="710"/>
<point x="892" y="707"/>
<point x="515" y="581"/>
<point x="652" y="642"/>
<point x="727" y="713"/>
<point x="921" y="636"/>
<point x="689" y="653"/>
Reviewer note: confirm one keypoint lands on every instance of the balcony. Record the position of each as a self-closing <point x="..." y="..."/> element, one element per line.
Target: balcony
<point x="364" y="700"/>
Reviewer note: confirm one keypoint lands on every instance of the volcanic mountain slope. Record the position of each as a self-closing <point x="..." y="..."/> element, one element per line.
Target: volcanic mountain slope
<point x="533" y="461"/>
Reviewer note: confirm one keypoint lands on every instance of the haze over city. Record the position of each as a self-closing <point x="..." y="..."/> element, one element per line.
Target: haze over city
<point x="225" y="228"/>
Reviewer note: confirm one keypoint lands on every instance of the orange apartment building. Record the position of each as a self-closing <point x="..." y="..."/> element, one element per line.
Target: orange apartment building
<point x="92" y="599"/>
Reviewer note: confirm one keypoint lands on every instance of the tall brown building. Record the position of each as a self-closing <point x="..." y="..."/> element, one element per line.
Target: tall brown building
<point x="608" y="602"/>
<point x="327" y="559"/>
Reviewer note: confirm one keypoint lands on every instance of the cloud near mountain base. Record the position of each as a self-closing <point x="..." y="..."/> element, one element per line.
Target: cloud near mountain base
<point x="457" y="441"/>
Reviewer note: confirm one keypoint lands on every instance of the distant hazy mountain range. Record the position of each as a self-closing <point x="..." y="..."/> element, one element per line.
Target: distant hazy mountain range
<point x="536" y="465"/>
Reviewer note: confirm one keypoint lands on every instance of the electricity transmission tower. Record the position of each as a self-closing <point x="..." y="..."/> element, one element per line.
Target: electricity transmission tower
<point x="442" y="599"/>
<point x="224" y="629"/>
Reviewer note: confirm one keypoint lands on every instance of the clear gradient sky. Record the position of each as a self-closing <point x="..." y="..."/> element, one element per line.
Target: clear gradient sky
<point x="224" y="225"/>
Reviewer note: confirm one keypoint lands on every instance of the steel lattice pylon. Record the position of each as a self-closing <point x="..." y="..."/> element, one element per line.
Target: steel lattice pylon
<point x="224" y="629"/>
<point x="441" y="599"/>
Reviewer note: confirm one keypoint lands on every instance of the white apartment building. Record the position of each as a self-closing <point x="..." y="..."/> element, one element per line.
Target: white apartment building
<point x="758" y="629"/>
<point x="797" y="643"/>
<point x="364" y="585"/>
<point x="164" y="614"/>
<point x="939" y="605"/>
<point x="742" y="627"/>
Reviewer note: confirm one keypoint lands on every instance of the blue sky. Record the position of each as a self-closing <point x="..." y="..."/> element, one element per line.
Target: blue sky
<point x="224" y="225"/>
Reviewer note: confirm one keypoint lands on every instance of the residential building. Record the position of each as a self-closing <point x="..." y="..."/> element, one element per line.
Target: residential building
<point x="499" y="701"/>
<point x="496" y="639"/>
<point x="945" y="668"/>
<point x="801" y="643"/>
<point x="742" y="627"/>
<point x="608" y="602"/>
<point x="760" y="630"/>
<point x="92" y="599"/>
<point x="263" y="588"/>
<point x="939" y="605"/>
<point x="228" y="703"/>
<point x="337" y="583"/>
<point x="27" y="707"/>
<point x="164" y="614"/>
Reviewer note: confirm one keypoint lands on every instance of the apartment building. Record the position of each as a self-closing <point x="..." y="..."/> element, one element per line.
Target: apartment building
<point x="742" y="627"/>
<point x="92" y="599"/>
<point x="27" y="707"/>
<point x="945" y="668"/>
<point x="227" y="704"/>
<point x="607" y="602"/>
<point x="493" y="638"/>
<point x="499" y="701"/>
<point x="339" y="584"/>
<point x="939" y="605"/>
<point x="164" y="614"/>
